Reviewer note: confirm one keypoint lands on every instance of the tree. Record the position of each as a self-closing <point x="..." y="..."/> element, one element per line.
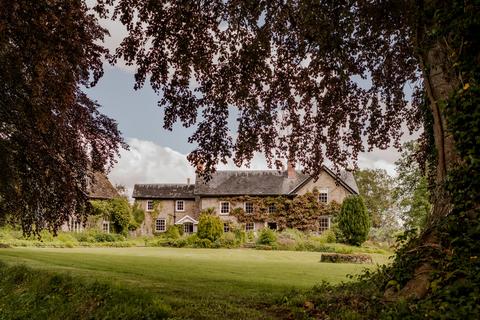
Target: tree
<point x="411" y="191"/>
<point x="375" y="186"/>
<point x="52" y="136"/>
<point x="354" y="221"/>
<point x="209" y="227"/>
<point x="313" y="80"/>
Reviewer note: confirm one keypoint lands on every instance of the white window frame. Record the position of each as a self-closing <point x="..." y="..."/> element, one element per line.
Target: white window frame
<point x="105" y="223"/>
<point x="221" y="208"/>
<point x="185" y="227"/>
<point x="323" y="191"/>
<point x="321" y="228"/>
<point x="226" y="227"/>
<point x="148" y="205"/>
<point x="158" y="225"/>
<point x="247" y="228"/>
<point x="245" y="207"/>
<point x="183" y="205"/>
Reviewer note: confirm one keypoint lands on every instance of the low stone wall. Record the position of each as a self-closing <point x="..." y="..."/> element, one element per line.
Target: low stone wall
<point x="345" y="258"/>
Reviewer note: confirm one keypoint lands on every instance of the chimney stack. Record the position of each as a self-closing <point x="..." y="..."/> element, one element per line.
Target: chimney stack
<point x="291" y="174"/>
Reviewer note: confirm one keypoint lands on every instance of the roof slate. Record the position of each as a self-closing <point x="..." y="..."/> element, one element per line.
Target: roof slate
<point x="163" y="191"/>
<point x="101" y="188"/>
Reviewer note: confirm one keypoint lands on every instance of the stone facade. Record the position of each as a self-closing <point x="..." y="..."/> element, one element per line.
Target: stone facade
<point x="225" y="184"/>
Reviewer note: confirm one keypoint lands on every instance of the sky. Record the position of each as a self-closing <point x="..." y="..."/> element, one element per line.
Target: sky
<point x="157" y="155"/>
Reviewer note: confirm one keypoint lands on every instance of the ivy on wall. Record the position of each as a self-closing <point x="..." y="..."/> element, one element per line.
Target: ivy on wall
<point x="302" y="212"/>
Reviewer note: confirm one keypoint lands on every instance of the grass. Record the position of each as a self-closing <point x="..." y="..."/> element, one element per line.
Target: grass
<point x="29" y="294"/>
<point x="196" y="283"/>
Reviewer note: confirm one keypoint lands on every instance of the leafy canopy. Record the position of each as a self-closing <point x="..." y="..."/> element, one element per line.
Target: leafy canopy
<point x="52" y="136"/>
<point x="375" y="186"/>
<point x="306" y="80"/>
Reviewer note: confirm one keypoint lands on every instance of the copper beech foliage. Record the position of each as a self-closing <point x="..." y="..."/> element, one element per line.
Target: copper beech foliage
<point x="306" y="80"/>
<point x="52" y="136"/>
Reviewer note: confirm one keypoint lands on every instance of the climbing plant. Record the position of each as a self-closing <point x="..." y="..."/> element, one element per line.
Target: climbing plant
<point x="301" y="212"/>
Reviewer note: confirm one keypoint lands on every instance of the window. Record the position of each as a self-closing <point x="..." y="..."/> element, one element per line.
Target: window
<point x="249" y="207"/>
<point x="180" y="205"/>
<point x="323" y="196"/>
<point x="188" y="227"/>
<point x="160" y="225"/>
<point x="249" y="226"/>
<point x="272" y="225"/>
<point x="224" y="207"/>
<point x="150" y="205"/>
<point x="226" y="227"/>
<point x="323" y="224"/>
<point x="272" y="208"/>
<point x="106" y="226"/>
<point x="76" y="226"/>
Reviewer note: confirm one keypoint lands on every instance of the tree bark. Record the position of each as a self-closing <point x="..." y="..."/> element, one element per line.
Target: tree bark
<point x="439" y="85"/>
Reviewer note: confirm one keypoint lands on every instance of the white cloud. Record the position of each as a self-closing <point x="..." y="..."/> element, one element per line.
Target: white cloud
<point x="147" y="162"/>
<point x="379" y="159"/>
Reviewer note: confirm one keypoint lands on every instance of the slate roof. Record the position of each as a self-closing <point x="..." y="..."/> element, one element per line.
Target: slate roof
<point x="163" y="191"/>
<point x="101" y="188"/>
<point x="249" y="182"/>
<point x="239" y="183"/>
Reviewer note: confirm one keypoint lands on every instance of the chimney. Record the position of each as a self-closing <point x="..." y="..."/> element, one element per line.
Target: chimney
<point x="291" y="174"/>
<point x="188" y="181"/>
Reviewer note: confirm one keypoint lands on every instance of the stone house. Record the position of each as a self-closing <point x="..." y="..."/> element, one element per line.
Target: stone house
<point x="100" y="189"/>
<point x="181" y="204"/>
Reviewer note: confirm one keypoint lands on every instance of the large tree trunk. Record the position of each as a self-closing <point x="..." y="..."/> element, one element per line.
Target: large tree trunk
<point x="439" y="85"/>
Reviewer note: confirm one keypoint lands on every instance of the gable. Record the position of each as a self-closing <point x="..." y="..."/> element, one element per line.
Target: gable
<point x="337" y="190"/>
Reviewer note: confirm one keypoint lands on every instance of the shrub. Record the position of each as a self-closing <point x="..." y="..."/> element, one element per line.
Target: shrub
<point x="172" y="233"/>
<point x="65" y="238"/>
<point x="209" y="227"/>
<point x="104" y="237"/>
<point x="293" y="234"/>
<point x="179" y="243"/>
<point x="327" y="236"/>
<point x="240" y="234"/>
<point x="85" y="237"/>
<point x="228" y="240"/>
<point x="203" y="243"/>
<point x="267" y="237"/>
<point x="354" y="221"/>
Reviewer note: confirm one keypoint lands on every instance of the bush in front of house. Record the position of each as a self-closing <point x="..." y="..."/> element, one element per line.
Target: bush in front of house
<point x="354" y="221"/>
<point x="267" y="237"/>
<point x="209" y="227"/>
<point x="172" y="232"/>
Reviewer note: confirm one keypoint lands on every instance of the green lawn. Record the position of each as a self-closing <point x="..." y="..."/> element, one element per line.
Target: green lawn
<point x="196" y="283"/>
